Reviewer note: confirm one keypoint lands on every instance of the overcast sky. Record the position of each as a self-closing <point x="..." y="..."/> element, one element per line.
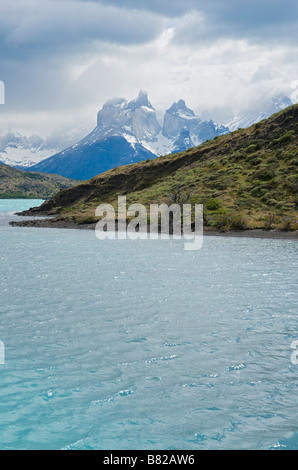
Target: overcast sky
<point x="61" y="60"/>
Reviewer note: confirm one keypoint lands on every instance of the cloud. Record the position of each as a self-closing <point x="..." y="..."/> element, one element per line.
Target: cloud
<point x="167" y="8"/>
<point x="46" y="26"/>
<point x="2" y="92"/>
<point x="256" y="20"/>
<point x="62" y="59"/>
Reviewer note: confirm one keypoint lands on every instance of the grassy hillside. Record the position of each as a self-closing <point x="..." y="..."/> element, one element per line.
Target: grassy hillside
<point x="20" y="184"/>
<point x="246" y="179"/>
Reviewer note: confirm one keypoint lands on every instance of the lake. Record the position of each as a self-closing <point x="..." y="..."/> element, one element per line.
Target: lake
<point x="139" y="344"/>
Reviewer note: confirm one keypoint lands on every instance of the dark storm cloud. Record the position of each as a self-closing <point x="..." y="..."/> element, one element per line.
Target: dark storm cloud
<point x="39" y="38"/>
<point x="31" y="27"/>
<point x="63" y="54"/>
<point x="168" y="8"/>
<point x="255" y="20"/>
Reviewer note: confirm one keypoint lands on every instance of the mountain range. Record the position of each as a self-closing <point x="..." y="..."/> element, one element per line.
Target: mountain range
<point x="19" y="150"/>
<point x="126" y="132"/>
<point x="22" y="151"/>
<point x="246" y="180"/>
<point x="279" y="103"/>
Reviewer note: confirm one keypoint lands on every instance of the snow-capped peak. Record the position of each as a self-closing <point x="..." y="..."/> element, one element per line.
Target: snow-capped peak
<point x="181" y="109"/>
<point x="245" y="120"/>
<point x="177" y="117"/>
<point x="281" y="102"/>
<point x="135" y="120"/>
<point x="115" y="103"/>
<point x="141" y="100"/>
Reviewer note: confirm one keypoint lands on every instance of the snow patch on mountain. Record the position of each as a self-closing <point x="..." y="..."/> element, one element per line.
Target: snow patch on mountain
<point x="23" y="151"/>
<point x="16" y="149"/>
<point x="136" y="119"/>
<point x="278" y="103"/>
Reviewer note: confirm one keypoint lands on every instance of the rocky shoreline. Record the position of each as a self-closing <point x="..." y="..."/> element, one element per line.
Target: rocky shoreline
<point x="209" y="231"/>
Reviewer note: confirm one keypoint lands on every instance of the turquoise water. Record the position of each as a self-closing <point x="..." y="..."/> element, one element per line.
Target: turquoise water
<point x="143" y="345"/>
<point x="17" y="205"/>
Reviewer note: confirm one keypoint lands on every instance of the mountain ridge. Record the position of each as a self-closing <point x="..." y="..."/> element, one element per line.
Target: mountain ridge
<point x="246" y="180"/>
<point x="136" y="122"/>
<point x="247" y="119"/>
<point x="21" y="151"/>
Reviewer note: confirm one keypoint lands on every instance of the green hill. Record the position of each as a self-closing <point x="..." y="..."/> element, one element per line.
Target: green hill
<point x="22" y="184"/>
<point x="246" y="179"/>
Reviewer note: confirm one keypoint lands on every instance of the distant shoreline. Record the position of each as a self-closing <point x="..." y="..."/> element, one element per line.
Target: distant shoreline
<point x="253" y="233"/>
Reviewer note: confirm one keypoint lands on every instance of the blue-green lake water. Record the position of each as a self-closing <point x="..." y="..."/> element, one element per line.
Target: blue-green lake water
<point x="123" y="344"/>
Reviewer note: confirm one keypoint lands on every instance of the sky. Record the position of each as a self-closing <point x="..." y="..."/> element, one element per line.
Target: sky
<point x="61" y="60"/>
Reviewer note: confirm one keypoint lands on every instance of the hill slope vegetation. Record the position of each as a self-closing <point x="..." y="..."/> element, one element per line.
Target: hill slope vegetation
<point x="20" y="184"/>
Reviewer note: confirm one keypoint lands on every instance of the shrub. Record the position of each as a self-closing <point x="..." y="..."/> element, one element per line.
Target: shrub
<point x="264" y="174"/>
<point x="284" y="139"/>
<point x="238" y="221"/>
<point x="221" y="221"/>
<point x="269" y="221"/>
<point x="288" y="224"/>
<point x="87" y="220"/>
<point x="213" y="204"/>
<point x="251" y="148"/>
